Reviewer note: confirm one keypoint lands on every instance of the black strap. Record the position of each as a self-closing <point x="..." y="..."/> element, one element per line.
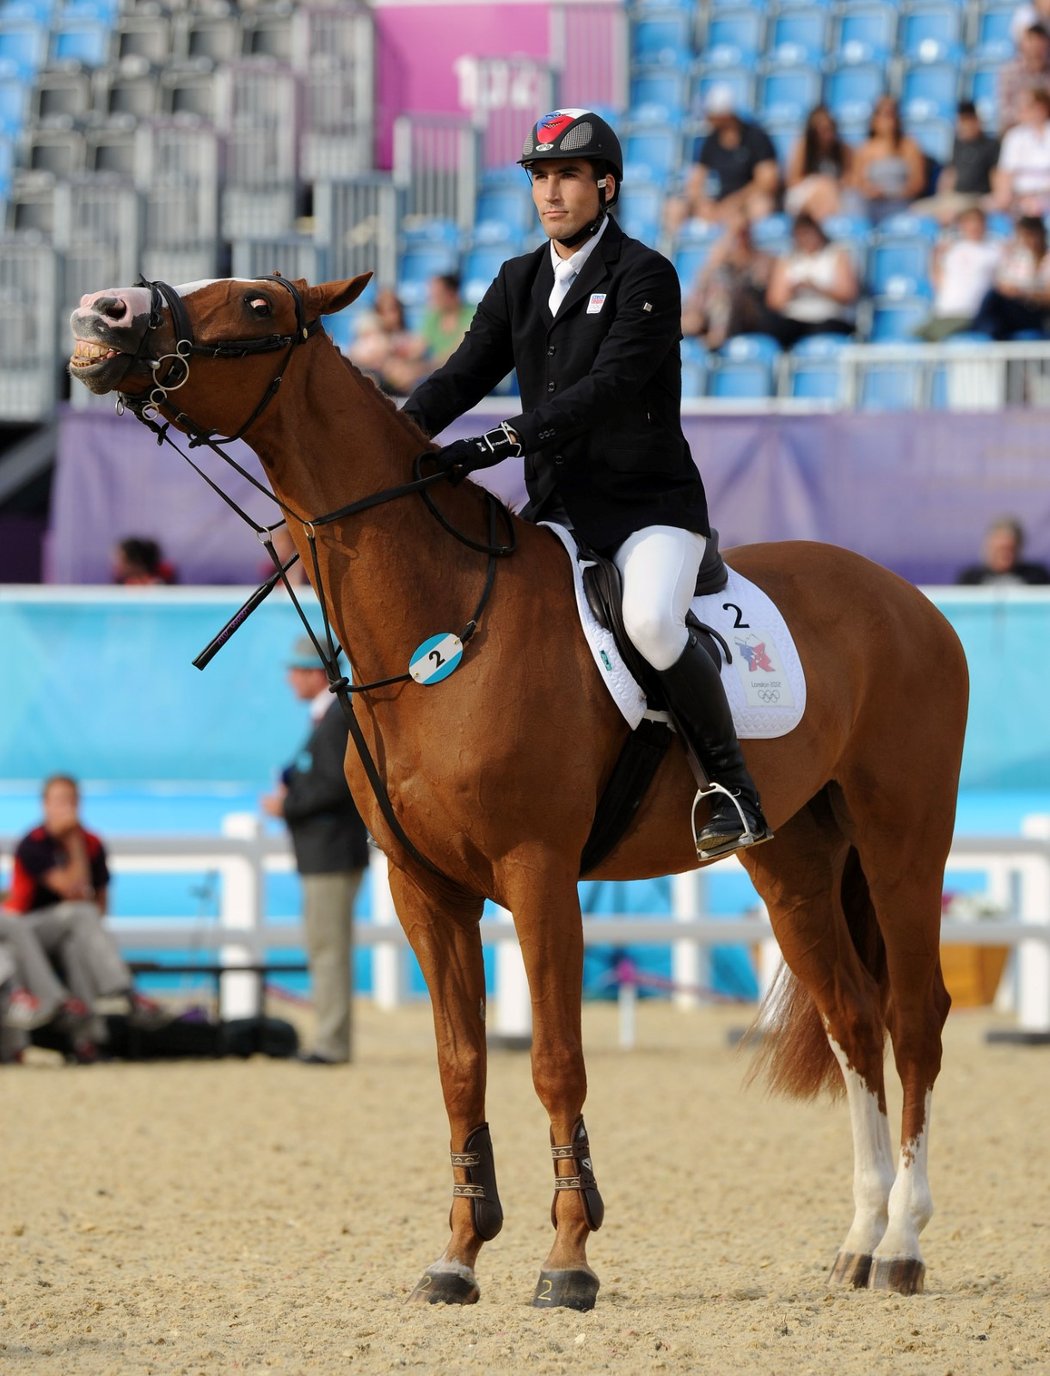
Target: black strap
<point x="640" y="758"/>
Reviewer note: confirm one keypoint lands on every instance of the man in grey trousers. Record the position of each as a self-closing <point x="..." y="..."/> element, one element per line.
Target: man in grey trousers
<point x="331" y="852"/>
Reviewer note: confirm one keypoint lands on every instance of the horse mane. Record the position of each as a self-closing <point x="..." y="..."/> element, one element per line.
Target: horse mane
<point x="414" y="431"/>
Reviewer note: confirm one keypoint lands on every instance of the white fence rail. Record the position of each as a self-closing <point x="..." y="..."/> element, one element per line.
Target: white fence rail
<point x="1017" y="871"/>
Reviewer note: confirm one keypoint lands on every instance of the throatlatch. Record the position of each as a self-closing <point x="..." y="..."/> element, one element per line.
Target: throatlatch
<point x="479" y="1162"/>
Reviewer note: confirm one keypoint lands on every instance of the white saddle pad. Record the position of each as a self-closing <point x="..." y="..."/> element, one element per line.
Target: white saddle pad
<point x="764" y="683"/>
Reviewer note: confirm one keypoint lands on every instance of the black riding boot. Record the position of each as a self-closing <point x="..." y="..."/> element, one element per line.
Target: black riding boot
<point x="697" y="702"/>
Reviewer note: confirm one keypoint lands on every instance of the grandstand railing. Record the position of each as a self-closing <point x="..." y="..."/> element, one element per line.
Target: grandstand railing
<point x="960" y="377"/>
<point x="436" y="162"/>
<point x="1017" y="871"/>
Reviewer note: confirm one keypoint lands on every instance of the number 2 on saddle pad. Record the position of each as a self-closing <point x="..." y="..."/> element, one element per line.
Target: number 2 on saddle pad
<point x="436" y="658"/>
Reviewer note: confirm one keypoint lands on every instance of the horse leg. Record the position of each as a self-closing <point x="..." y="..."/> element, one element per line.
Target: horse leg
<point x="447" y="944"/>
<point x="546" y="910"/>
<point x="908" y="903"/>
<point x="807" y="878"/>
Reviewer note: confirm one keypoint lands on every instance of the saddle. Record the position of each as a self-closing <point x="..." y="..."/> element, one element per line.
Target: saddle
<point x="647" y="745"/>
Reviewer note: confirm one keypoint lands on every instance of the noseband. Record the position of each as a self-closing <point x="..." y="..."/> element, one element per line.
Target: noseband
<point x="172" y="370"/>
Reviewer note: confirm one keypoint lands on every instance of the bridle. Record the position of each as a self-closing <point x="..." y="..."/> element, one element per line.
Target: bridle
<point x="171" y="372"/>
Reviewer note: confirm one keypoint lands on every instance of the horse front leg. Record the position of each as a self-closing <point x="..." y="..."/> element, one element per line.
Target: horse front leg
<point x="447" y="944"/>
<point x="547" y="918"/>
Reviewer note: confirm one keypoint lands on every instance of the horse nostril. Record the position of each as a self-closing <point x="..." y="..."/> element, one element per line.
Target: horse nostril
<point x="112" y="307"/>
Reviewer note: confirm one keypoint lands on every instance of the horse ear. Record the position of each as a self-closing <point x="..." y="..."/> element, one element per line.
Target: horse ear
<point x="328" y="297"/>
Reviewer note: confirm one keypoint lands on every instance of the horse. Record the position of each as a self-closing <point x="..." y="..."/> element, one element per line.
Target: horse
<point x="486" y="784"/>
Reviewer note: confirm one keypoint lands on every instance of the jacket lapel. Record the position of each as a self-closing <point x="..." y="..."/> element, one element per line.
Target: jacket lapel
<point x="543" y="283"/>
<point x="596" y="270"/>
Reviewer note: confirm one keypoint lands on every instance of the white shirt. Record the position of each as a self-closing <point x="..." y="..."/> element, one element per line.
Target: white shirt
<point x="1026" y="156"/>
<point x="563" y="278"/>
<point x="320" y="705"/>
<point x="967" y="271"/>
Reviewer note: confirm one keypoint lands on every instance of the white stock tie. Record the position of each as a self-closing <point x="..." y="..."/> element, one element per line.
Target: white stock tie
<point x="564" y="272"/>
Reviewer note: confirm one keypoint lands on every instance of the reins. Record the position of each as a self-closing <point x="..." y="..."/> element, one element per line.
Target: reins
<point x="176" y="365"/>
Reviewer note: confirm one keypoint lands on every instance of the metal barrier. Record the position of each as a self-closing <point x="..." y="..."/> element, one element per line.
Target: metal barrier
<point x="29" y="271"/>
<point x="436" y="160"/>
<point x="1018" y="871"/>
<point x="356" y="223"/>
<point x="977" y="376"/>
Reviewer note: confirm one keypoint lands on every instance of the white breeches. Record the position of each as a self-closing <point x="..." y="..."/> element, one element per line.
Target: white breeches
<point x="659" y="566"/>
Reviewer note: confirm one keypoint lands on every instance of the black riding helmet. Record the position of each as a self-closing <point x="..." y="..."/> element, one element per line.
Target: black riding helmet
<point x="577" y="134"/>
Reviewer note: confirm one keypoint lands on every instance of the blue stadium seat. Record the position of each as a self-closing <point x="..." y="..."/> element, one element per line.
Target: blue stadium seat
<point x="898" y="269"/>
<point x="773" y="233"/>
<point x="932" y="32"/>
<point x="740" y="80"/>
<point x="504" y="205"/>
<point x="894" y="321"/>
<point x="935" y="136"/>
<point x="984" y="92"/>
<point x="694" y="368"/>
<point x="481" y="266"/>
<point x="660" y="86"/>
<point x="664" y="37"/>
<point x="867" y="32"/>
<point x="851" y="91"/>
<point x="889" y="387"/>
<point x="993" y="30"/>
<point x="416" y="265"/>
<point x="800" y="34"/>
<point x="427" y="231"/>
<point x="23" y="47"/>
<point x="815" y="379"/>
<point x="639" y="210"/>
<point x="930" y="90"/>
<point x="852" y="232"/>
<point x="14" y="105"/>
<point x="788" y="92"/>
<point x="658" y="149"/>
<point x="738" y="30"/>
<point x="907" y="225"/>
<point x="784" y="133"/>
<point x="744" y="367"/>
<point x="689" y="261"/>
<point x="81" y="40"/>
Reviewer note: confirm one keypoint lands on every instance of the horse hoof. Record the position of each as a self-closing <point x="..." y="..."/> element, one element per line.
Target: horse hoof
<point x="903" y="1275"/>
<point x="851" y="1268"/>
<point x="446" y="1287"/>
<point x="566" y="1290"/>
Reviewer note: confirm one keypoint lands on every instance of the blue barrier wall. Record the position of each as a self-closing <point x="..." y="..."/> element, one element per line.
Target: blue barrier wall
<point x="101" y="684"/>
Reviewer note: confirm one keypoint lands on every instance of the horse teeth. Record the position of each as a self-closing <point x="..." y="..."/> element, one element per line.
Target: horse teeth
<point x="88" y="351"/>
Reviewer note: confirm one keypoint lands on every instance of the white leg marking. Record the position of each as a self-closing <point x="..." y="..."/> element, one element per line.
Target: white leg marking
<point x="873" y="1175"/>
<point x="911" y="1205"/>
<point x="453" y="1268"/>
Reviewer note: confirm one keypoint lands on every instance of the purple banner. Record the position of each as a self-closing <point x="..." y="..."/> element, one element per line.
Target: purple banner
<point x="911" y="491"/>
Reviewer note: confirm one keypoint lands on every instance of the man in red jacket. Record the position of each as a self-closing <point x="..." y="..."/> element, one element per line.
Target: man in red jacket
<point x="592" y="324"/>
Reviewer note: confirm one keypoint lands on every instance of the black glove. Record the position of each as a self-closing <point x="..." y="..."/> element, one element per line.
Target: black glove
<point x="464" y="456"/>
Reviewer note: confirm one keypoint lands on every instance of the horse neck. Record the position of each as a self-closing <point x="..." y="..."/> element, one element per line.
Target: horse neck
<point x="391" y="576"/>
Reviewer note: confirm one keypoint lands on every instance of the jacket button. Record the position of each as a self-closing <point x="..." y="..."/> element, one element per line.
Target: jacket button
<point x="550" y="386"/>
<point x="558" y="459"/>
<point x="551" y="351"/>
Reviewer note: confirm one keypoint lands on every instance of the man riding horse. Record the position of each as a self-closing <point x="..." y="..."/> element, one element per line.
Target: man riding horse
<point x="592" y="326"/>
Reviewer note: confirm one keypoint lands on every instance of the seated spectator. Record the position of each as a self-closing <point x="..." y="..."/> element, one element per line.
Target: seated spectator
<point x="1021" y="182"/>
<point x="729" y="294"/>
<point x="966" y="180"/>
<point x="818" y="167"/>
<point x="59" y="889"/>
<point x="447" y="319"/>
<point x="734" y="168"/>
<point x="889" y="170"/>
<point x="1019" y="299"/>
<point x="962" y="271"/>
<point x="139" y="562"/>
<point x="1028" y="71"/>
<point x="1028" y="14"/>
<point x="1001" y="560"/>
<point x="386" y="349"/>
<point x="814" y="288"/>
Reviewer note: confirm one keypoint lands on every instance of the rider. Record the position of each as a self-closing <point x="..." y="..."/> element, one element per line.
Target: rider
<point x="592" y="325"/>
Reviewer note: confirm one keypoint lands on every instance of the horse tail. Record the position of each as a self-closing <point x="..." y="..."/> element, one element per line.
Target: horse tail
<point x="793" y="1051"/>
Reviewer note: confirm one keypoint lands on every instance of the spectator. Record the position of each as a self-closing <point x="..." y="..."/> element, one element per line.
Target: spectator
<point x="139" y="562"/>
<point x="447" y="319"/>
<point x="889" y="170"/>
<point x="1028" y="14"/>
<point x="386" y="348"/>
<point x="1028" y="71"/>
<point x="1001" y="560"/>
<point x="966" y="180"/>
<point x="1021" y="182"/>
<point x="331" y="852"/>
<point x="734" y="168"/>
<point x="59" y="887"/>
<point x="1020" y="297"/>
<point x="729" y="295"/>
<point x="818" y="166"/>
<point x="962" y="271"/>
<point x="814" y="288"/>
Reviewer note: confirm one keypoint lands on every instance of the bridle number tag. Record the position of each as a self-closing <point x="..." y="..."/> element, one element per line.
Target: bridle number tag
<point x="436" y="658"/>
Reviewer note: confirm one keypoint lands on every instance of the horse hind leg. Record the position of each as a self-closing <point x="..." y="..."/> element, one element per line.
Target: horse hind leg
<point x="826" y="1007"/>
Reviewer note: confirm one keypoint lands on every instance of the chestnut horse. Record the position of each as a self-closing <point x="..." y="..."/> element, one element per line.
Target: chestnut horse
<point x="492" y="777"/>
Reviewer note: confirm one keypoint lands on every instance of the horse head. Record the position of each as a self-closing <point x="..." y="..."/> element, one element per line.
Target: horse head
<point x="144" y="341"/>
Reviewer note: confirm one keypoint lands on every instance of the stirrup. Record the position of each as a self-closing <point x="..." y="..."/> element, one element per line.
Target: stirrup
<point x="729" y="844"/>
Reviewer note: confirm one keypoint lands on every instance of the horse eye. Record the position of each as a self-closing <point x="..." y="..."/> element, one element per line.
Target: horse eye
<point x="258" y="305"/>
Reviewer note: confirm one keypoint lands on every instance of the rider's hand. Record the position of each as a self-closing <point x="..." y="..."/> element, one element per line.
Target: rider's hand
<point x="464" y="456"/>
